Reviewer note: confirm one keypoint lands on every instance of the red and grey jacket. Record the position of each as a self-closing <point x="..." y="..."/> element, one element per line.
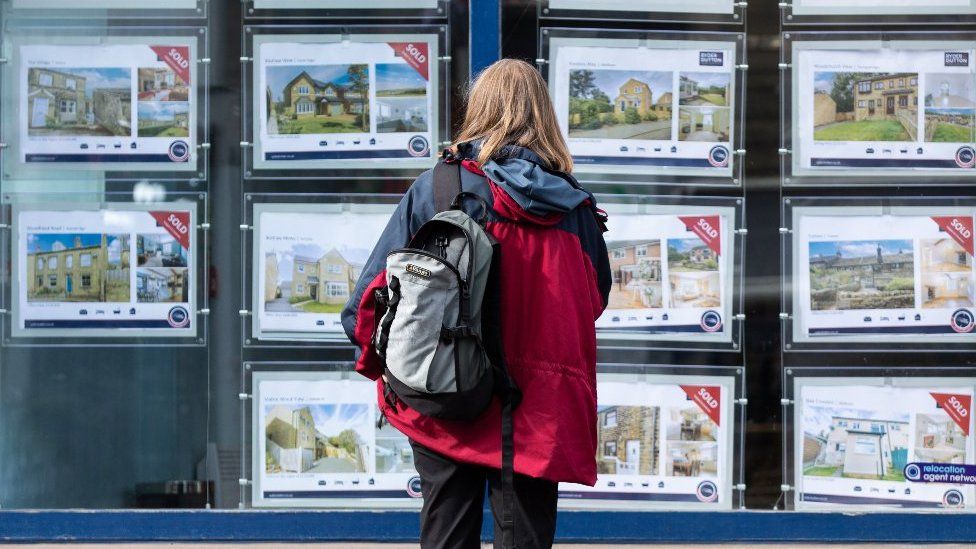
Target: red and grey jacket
<point x="555" y="279"/>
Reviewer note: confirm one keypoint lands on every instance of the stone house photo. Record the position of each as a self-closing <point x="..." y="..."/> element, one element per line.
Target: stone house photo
<point x="865" y="106"/>
<point x="620" y="104"/>
<point x="320" y="438"/>
<point x="79" y="102"/>
<point x="318" y="99"/>
<point x="946" y="274"/>
<point x="78" y="267"/>
<point x="628" y="440"/>
<point x="857" y="447"/>
<point x="637" y="278"/>
<point x="319" y="283"/>
<point x="851" y="275"/>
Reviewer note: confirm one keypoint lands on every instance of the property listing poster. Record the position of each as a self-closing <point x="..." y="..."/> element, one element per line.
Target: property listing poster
<point x="853" y="438"/>
<point x="628" y="106"/>
<point x="674" y="6"/>
<point x="883" y="7"/>
<point x="345" y="4"/>
<point x="322" y="102"/>
<point x="873" y="275"/>
<point x="307" y="259"/>
<point x="872" y="110"/>
<point x="118" y="105"/>
<point x="106" y="4"/>
<point x="127" y="271"/>
<point x="672" y="270"/>
<point x="316" y="443"/>
<point x="662" y="441"/>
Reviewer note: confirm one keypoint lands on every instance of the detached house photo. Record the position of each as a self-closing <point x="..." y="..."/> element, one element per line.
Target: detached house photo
<point x="318" y="283"/>
<point x="79" y="102"/>
<point x="78" y="267"/>
<point x="318" y="99"/>
<point x="620" y="104"/>
<point x="950" y="108"/>
<point x="628" y="440"/>
<point x="852" y="106"/>
<point x="946" y="271"/>
<point x="851" y="275"/>
<point x="855" y="447"/>
<point x="636" y="268"/>
<point x="320" y="438"/>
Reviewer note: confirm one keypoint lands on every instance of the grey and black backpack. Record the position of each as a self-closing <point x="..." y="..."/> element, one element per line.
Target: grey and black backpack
<point x="438" y="328"/>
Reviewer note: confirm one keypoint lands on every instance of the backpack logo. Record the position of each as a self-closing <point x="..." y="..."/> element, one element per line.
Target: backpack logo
<point x="419" y="271"/>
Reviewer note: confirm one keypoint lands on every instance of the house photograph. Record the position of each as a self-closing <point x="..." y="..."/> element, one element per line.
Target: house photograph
<point x="841" y="442"/>
<point x="946" y="273"/>
<point x="701" y="89"/>
<point x="703" y="106"/>
<point x="161" y="84"/>
<point x="628" y="440"/>
<point x="637" y="278"/>
<point x="317" y="438"/>
<point x="939" y="439"/>
<point x="691" y="459"/>
<point x="851" y="106"/>
<point x="311" y="280"/>
<point x="691" y="424"/>
<point x="318" y="99"/>
<point x="162" y="285"/>
<point x="77" y="267"/>
<point x="393" y="451"/>
<point x="620" y="104"/>
<point x="162" y="119"/>
<point x="159" y="250"/>
<point x="950" y="108"/>
<point x="79" y="102"/>
<point x="863" y="274"/>
<point x="693" y="274"/>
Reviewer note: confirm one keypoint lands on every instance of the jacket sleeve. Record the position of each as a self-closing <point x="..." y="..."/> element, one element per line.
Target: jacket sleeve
<point x="595" y="247"/>
<point x="359" y="314"/>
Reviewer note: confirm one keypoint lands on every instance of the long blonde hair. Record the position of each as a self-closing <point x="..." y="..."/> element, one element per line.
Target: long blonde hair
<point x="509" y="104"/>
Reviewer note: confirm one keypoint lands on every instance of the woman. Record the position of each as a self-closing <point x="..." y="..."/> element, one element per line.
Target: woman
<point x="555" y="279"/>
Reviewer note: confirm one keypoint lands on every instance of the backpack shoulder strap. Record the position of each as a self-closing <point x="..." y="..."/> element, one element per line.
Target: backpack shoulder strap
<point x="447" y="184"/>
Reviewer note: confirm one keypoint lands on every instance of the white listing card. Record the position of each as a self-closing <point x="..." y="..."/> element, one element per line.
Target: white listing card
<point x="345" y="4"/>
<point x="874" y="110"/>
<point x="316" y="444"/>
<point x="307" y="259"/>
<point x="106" y="4"/>
<point x="662" y="441"/>
<point x="867" y="275"/>
<point x="112" y="106"/>
<point x="120" y="272"/>
<point x="672" y="270"/>
<point x="654" y="107"/>
<point x="883" y="7"/>
<point x="357" y="103"/>
<point x="661" y="6"/>
<point x="854" y="437"/>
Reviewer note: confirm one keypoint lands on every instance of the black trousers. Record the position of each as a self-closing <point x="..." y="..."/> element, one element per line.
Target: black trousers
<point x="454" y="498"/>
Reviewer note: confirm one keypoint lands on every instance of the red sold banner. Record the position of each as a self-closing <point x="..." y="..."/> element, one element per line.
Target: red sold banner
<point x="177" y="58"/>
<point x="708" y="398"/>
<point x="177" y="224"/>
<point x="415" y="54"/>
<point x="958" y="407"/>
<point x="707" y="228"/>
<point x="960" y="228"/>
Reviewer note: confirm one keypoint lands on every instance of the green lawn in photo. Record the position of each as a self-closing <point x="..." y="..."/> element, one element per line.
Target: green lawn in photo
<point x="164" y="131"/>
<point x="340" y="123"/>
<point x="402" y="92"/>
<point x="820" y="471"/>
<point x="952" y="133"/>
<point x="862" y="130"/>
<point x="714" y="99"/>
<point x="316" y="307"/>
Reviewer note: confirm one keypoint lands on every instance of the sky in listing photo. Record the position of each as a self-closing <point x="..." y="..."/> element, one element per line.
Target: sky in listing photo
<point x="399" y="80"/>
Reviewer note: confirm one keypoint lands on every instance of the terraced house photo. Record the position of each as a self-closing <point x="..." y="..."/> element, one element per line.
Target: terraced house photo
<point x="79" y="102"/>
<point x="318" y="99"/>
<point x="78" y="267"/>
<point x="863" y="274"/>
<point x="620" y="104"/>
<point x="950" y="108"/>
<point x="849" y="443"/>
<point x="628" y="440"/>
<point x="850" y="106"/>
<point x="317" y="438"/>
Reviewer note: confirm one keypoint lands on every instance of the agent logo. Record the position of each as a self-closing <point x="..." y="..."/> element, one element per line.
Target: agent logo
<point x="711" y="321"/>
<point x="418" y="146"/>
<point x="178" y="317"/>
<point x="957" y="58"/>
<point x="413" y="488"/>
<point x="966" y="157"/>
<point x="913" y="472"/>
<point x="707" y="491"/>
<point x="419" y="271"/>
<point x="718" y="157"/>
<point x="711" y="58"/>
<point x="953" y="498"/>
<point x="962" y="321"/>
<point x="179" y="151"/>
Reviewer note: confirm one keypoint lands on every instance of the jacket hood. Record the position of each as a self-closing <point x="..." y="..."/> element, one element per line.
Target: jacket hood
<point x="540" y="192"/>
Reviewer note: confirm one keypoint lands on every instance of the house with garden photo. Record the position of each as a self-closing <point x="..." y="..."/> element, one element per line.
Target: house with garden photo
<point x="640" y="108"/>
